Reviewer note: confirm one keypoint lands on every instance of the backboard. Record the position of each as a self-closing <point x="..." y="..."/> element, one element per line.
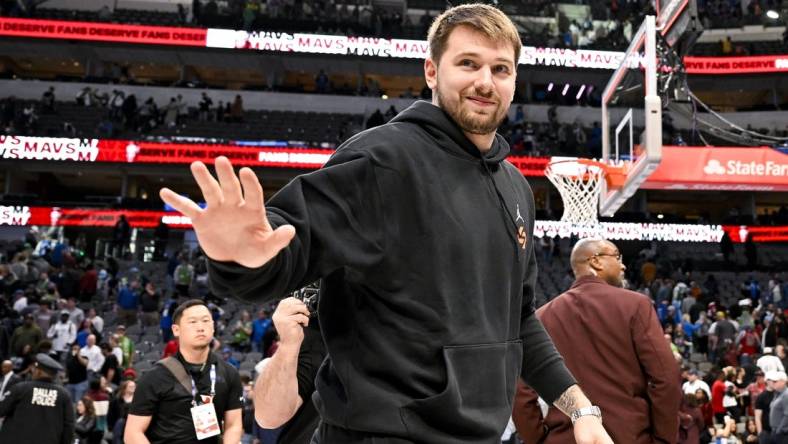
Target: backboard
<point x="632" y="104"/>
<point x="632" y="135"/>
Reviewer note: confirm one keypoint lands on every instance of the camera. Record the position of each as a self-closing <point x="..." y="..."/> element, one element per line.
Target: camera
<point x="310" y="296"/>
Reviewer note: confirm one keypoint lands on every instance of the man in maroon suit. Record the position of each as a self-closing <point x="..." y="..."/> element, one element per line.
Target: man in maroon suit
<point x="613" y="344"/>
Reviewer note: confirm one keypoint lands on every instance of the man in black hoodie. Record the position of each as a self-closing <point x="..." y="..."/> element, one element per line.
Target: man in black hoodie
<point x="422" y="236"/>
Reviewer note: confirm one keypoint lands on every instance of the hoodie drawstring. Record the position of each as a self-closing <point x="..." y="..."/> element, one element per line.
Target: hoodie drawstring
<point x="510" y="218"/>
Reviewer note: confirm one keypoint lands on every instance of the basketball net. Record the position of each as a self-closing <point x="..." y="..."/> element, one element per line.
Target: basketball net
<point x="579" y="185"/>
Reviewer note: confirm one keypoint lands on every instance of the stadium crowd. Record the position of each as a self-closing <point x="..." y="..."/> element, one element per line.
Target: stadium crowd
<point x="107" y="320"/>
<point x="103" y="113"/>
<point x="106" y="326"/>
<point x="607" y="24"/>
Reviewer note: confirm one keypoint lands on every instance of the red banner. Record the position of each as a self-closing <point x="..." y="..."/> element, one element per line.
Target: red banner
<point x="720" y="168"/>
<point x="739" y="233"/>
<point x="736" y="65"/>
<point x="682" y="168"/>
<point x="91" y="217"/>
<point x="128" y="151"/>
<point x="87" y="217"/>
<point x="102" y="32"/>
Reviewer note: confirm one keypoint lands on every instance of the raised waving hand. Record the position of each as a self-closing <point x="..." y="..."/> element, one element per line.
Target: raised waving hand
<point x="233" y="227"/>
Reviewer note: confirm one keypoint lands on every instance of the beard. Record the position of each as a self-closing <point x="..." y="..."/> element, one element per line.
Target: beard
<point x="616" y="281"/>
<point x="470" y="121"/>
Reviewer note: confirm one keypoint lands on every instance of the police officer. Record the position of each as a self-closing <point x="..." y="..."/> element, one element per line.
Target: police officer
<point x="38" y="411"/>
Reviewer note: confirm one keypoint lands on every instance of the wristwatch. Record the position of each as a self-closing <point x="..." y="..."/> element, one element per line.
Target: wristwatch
<point x="585" y="411"/>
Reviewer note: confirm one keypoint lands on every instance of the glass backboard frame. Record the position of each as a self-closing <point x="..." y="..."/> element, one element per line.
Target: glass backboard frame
<point x="612" y="198"/>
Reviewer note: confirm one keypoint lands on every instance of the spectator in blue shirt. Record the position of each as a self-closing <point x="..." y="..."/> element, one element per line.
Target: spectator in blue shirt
<point x="128" y="303"/>
<point x="166" y="320"/>
<point x="259" y="328"/>
<point x="227" y="355"/>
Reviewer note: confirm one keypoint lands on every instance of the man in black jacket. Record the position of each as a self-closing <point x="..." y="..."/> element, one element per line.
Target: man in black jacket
<point x="422" y="235"/>
<point x="38" y="411"/>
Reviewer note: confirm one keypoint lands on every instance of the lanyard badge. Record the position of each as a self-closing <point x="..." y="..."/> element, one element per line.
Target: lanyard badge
<point x="213" y="389"/>
<point x="206" y="423"/>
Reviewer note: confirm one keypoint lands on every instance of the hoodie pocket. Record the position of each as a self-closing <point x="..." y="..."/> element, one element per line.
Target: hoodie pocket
<point x="477" y="399"/>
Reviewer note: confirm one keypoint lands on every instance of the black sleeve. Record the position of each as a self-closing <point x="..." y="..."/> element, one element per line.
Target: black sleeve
<point x="8" y="404"/>
<point x="336" y="214"/>
<point x="84" y="428"/>
<point x="761" y="404"/>
<point x="310" y="357"/>
<point x="146" y="395"/>
<point x="68" y="421"/>
<point x="543" y="368"/>
<point x="236" y="393"/>
<point x="113" y="411"/>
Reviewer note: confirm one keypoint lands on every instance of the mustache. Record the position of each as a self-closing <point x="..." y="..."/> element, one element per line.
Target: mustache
<point x="484" y="94"/>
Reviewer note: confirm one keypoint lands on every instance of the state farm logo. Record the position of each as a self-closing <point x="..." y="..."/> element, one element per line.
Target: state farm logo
<point x="14" y="215"/>
<point x="48" y="148"/>
<point x="752" y="168"/>
<point x="714" y="167"/>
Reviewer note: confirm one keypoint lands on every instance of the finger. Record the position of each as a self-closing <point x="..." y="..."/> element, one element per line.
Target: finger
<point x="183" y="204"/>
<point x="273" y="243"/>
<point x="301" y="319"/>
<point x="208" y="185"/>
<point x="299" y="310"/>
<point x="292" y="303"/>
<point x="228" y="181"/>
<point x="289" y="305"/>
<point x="253" y="191"/>
<point x="281" y="237"/>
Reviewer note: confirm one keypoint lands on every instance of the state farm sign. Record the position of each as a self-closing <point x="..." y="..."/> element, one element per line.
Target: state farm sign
<point x="720" y="168"/>
<point x="48" y="148"/>
<point x="739" y="168"/>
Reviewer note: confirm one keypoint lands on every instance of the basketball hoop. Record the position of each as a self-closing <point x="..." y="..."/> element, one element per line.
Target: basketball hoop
<point x="579" y="181"/>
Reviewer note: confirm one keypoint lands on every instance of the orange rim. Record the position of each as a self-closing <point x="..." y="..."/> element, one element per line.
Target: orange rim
<point x="615" y="175"/>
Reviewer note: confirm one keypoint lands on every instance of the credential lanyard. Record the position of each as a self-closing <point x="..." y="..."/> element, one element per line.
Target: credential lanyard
<point x="213" y="386"/>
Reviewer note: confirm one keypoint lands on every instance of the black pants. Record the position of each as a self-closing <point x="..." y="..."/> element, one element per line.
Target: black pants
<point x="779" y="438"/>
<point x="329" y="434"/>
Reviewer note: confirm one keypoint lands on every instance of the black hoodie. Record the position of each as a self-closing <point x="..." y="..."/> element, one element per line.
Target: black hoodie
<point x="427" y="299"/>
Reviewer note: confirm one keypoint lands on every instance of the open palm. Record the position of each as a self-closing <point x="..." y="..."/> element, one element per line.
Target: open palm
<point x="233" y="227"/>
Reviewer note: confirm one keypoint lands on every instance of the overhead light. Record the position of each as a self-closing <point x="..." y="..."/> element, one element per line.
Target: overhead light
<point x="550" y="87"/>
<point x="772" y="14"/>
<point x="566" y="88"/>
<point x="384" y="97"/>
<point x="580" y="93"/>
<point x="660" y="216"/>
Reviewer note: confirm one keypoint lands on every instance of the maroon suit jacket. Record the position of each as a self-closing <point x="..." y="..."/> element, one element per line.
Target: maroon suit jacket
<point x="613" y="344"/>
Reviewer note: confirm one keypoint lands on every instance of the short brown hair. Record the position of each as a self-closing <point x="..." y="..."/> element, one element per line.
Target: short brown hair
<point x="485" y="19"/>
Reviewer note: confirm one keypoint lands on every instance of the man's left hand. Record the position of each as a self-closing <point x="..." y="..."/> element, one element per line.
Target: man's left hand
<point x="589" y="430"/>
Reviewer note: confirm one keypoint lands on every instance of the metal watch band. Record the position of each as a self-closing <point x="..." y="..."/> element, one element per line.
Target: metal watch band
<point x="585" y="411"/>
